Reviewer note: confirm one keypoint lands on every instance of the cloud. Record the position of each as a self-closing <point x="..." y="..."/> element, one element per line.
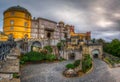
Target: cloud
<point x="106" y="35"/>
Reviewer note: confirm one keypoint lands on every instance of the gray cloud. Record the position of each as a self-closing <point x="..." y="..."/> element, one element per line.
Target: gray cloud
<point x="98" y="16"/>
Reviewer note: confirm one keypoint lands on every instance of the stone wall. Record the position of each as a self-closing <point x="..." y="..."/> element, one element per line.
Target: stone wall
<point x="10" y="66"/>
<point x="87" y="49"/>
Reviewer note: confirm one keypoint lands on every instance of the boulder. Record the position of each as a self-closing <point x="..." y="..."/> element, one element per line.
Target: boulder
<point x="70" y="73"/>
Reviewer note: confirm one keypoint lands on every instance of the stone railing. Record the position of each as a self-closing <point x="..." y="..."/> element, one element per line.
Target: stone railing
<point x="5" y="48"/>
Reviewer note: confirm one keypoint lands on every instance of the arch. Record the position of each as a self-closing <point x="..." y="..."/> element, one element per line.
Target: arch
<point x="71" y="56"/>
<point x="95" y="53"/>
<point x="36" y="45"/>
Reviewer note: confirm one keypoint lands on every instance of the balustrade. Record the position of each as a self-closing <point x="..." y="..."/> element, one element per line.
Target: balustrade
<point x="5" y="48"/>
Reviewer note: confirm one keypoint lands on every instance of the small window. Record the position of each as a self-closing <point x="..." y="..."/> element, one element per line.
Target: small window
<point x="42" y="26"/>
<point x="12" y="13"/>
<point x="11" y="22"/>
<point x="36" y="25"/>
<point x="26" y="15"/>
<point x="25" y="24"/>
<point x="11" y="28"/>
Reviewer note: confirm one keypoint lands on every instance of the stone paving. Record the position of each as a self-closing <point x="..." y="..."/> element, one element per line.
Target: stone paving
<point x="52" y="72"/>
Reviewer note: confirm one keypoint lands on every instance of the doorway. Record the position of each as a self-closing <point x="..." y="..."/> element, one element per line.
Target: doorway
<point x="95" y="53"/>
<point x="72" y="56"/>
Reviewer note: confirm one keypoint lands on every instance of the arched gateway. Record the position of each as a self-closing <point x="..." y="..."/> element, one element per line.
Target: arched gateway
<point x="95" y="53"/>
<point x="95" y="50"/>
<point x="36" y="45"/>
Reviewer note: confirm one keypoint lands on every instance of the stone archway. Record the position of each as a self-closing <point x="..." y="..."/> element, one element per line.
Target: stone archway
<point x="36" y="45"/>
<point x="71" y="56"/>
<point x="93" y="50"/>
<point x="95" y="53"/>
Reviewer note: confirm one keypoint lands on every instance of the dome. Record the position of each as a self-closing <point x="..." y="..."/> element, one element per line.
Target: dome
<point x="61" y="22"/>
<point x="17" y="8"/>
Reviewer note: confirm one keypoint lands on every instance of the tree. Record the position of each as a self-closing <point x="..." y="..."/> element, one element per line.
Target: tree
<point x="101" y="41"/>
<point x="113" y="47"/>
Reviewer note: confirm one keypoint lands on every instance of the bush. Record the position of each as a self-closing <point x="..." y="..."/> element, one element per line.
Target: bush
<point x="36" y="56"/>
<point x="48" y="48"/>
<point x="77" y="63"/>
<point x="70" y="66"/>
<point x="32" y="56"/>
<point x="24" y="58"/>
<point x="50" y="57"/>
<point x="86" y="63"/>
<point x="59" y="45"/>
<point x="22" y="62"/>
<point x="61" y="59"/>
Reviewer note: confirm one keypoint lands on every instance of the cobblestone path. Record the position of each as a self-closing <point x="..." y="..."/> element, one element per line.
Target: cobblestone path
<point x="53" y="73"/>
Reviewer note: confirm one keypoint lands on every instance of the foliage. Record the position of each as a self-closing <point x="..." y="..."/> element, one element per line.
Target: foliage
<point x="59" y="45"/>
<point x="109" y="61"/>
<point x="61" y="59"/>
<point x="112" y="59"/>
<point x="16" y="75"/>
<point x="70" y="66"/>
<point x="36" y="56"/>
<point x="48" y="48"/>
<point x="93" y="40"/>
<point x="50" y="57"/>
<point x="33" y="56"/>
<point x="77" y="63"/>
<point x="74" y="65"/>
<point x="113" y="47"/>
<point x="86" y="63"/>
<point x="101" y="41"/>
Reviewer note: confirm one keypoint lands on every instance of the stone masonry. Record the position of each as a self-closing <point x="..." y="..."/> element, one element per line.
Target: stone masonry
<point x="10" y="66"/>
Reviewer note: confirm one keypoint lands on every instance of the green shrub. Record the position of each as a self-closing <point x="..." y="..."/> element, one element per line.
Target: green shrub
<point x="59" y="45"/>
<point x="36" y="56"/>
<point x="50" y="57"/>
<point x="22" y="62"/>
<point x="86" y="63"/>
<point x="61" y="59"/>
<point x="70" y="66"/>
<point x="24" y="58"/>
<point x="77" y="63"/>
<point x="48" y="48"/>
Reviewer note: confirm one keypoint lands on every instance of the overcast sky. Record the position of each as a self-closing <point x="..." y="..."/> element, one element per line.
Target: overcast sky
<point x="101" y="17"/>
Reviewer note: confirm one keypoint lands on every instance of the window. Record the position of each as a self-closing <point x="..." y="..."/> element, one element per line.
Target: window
<point x="26" y="15"/>
<point x="11" y="22"/>
<point x="12" y="13"/>
<point x="36" y="25"/>
<point x="42" y="26"/>
<point x="25" y="24"/>
<point x="11" y="28"/>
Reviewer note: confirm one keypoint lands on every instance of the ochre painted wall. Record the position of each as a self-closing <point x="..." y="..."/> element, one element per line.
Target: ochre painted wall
<point x="3" y="37"/>
<point x="19" y="28"/>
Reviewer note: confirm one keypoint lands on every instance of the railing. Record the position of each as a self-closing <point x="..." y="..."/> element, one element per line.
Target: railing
<point x="5" y="48"/>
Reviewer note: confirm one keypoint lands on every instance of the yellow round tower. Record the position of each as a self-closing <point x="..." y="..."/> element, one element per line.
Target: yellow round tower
<point x="17" y="21"/>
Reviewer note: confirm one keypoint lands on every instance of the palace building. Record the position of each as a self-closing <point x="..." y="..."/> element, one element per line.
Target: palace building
<point x="45" y="29"/>
<point x="17" y="21"/>
<point x="76" y="38"/>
